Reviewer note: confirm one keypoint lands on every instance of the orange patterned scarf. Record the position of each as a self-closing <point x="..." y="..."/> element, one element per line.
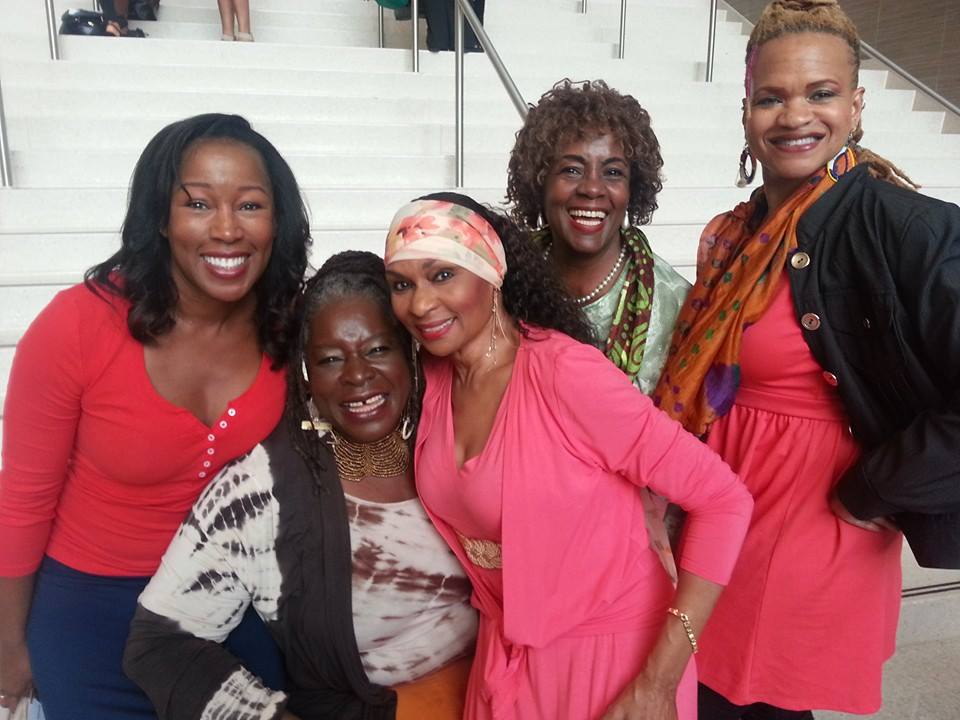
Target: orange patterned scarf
<point x="737" y="272"/>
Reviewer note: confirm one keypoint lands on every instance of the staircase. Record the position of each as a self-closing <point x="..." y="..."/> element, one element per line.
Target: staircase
<point x="364" y="134"/>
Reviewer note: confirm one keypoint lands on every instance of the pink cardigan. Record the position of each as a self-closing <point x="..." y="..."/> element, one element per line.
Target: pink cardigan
<point x="583" y="439"/>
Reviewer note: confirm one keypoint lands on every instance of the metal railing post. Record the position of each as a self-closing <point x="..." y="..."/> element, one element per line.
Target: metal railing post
<point x="380" y="26"/>
<point x="623" y="27"/>
<point x="711" y="40"/>
<point x="583" y="6"/>
<point x="6" y="178"/>
<point x="458" y="90"/>
<point x="52" y="37"/>
<point x="491" y="52"/>
<point x="415" y="43"/>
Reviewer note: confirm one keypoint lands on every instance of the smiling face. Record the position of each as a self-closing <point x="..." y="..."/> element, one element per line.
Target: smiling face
<point x="444" y="306"/>
<point x="358" y="372"/>
<point x="586" y="194"/>
<point x="221" y="225"/>
<point x="803" y="107"/>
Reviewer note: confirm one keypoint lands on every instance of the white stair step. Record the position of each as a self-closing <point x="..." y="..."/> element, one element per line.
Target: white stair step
<point x="56" y="167"/>
<point x="133" y="133"/>
<point x="55" y="259"/>
<point x="51" y="210"/>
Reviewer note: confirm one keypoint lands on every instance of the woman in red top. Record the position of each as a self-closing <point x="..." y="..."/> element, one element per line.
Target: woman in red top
<point x="128" y="393"/>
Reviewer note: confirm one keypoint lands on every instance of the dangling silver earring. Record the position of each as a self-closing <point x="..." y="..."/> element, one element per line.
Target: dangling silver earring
<point x="314" y="423"/>
<point x="744" y="178"/>
<point x="303" y="369"/>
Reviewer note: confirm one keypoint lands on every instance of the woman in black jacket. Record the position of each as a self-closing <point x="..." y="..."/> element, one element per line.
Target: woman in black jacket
<point x="819" y="351"/>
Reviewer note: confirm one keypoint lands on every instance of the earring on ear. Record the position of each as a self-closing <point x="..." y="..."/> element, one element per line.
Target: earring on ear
<point x="492" y="347"/>
<point x="744" y="178"/>
<point x="496" y="324"/>
<point x="314" y="423"/>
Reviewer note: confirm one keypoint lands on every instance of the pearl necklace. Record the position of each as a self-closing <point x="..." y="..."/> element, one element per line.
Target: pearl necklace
<point x="586" y="299"/>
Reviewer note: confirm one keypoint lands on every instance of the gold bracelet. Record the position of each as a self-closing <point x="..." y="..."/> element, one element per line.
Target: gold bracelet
<point x="687" y="627"/>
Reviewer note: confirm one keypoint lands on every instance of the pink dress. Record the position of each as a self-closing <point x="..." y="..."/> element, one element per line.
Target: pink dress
<point x="567" y="622"/>
<point x="810" y="614"/>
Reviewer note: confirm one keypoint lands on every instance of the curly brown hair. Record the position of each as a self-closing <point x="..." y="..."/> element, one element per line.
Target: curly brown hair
<point x="574" y="111"/>
<point x="783" y="17"/>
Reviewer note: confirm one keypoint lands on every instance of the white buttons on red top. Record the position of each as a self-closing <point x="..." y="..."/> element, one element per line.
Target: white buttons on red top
<point x="232" y="412"/>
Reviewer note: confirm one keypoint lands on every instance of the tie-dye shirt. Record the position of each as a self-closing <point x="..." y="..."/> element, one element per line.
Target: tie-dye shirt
<point x="411" y="598"/>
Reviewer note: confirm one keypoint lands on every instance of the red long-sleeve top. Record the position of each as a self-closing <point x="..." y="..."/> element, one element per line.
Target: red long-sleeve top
<point x="98" y="470"/>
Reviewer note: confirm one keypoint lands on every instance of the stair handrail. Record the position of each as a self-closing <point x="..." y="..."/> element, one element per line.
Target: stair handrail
<point x="711" y="42"/>
<point x="463" y="10"/>
<point x="899" y="70"/>
<point x="52" y="37"/>
<point x="6" y="178"/>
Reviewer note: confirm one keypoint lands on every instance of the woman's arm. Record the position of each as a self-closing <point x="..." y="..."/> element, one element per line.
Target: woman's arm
<point x="16" y="680"/>
<point x="622" y="431"/>
<point x="917" y="468"/>
<point x="40" y="420"/>
<point x="653" y="694"/>
<point x="221" y="558"/>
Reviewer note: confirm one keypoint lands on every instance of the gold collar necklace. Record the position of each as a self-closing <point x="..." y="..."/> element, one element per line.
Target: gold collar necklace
<point x="387" y="457"/>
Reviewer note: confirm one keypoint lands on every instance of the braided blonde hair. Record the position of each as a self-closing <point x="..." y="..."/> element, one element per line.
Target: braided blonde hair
<point x="782" y="17"/>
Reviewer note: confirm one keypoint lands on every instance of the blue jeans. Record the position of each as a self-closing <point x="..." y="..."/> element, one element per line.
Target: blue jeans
<point x="76" y="634"/>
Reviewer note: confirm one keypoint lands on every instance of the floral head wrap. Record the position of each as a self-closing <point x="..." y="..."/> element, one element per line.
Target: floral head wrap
<point x="451" y="227"/>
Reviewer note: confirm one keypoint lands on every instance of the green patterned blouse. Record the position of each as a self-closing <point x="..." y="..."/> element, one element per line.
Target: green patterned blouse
<point x="669" y="291"/>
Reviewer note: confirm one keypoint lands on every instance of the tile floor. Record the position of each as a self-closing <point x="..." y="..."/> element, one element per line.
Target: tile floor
<point x="921" y="682"/>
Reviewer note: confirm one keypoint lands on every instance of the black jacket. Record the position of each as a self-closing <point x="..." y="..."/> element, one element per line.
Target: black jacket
<point x="876" y="285"/>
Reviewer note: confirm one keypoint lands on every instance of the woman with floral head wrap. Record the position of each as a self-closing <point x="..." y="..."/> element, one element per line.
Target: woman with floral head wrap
<point x="820" y="349"/>
<point x="529" y="453"/>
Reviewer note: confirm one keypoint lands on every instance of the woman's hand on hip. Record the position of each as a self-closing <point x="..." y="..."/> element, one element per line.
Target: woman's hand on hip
<point x="16" y="679"/>
<point x="644" y="699"/>
<point x="875" y="525"/>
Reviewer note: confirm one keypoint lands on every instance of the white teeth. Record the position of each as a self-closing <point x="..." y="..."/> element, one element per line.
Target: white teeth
<point x="371" y="403"/>
<point x="588" y="214"/>
<point x="225" y="263"/>
<point x="798" y="141"/>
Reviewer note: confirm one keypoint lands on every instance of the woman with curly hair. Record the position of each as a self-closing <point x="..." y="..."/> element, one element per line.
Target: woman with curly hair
<point x="820" y="352"/>
<point x="127" y="395"/>
<point x="319" y="529"/>
<point x="530" y="451"/>
<point x="585" y="162"/>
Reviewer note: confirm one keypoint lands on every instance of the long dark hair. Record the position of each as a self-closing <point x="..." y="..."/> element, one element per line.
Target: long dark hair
<point x="532" y="293"/>
<point x="140" y="271"/>
<point x="349" y="274"/>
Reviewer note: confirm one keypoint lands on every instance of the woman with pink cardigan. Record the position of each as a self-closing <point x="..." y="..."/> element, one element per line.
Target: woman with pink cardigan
<point x="530" y="453"/>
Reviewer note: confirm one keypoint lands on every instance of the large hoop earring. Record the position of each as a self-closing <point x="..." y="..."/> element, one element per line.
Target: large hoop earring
<point x="744" y="178"/>
<point x="406" y="427"/>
